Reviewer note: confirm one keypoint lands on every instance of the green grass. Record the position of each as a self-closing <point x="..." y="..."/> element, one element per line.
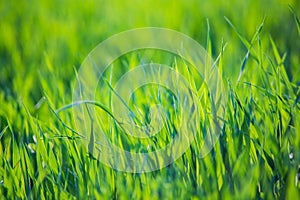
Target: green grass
<point x="256" y="45"/>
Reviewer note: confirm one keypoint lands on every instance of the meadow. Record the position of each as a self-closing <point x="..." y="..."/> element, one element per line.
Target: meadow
<point x="256" y="48"/>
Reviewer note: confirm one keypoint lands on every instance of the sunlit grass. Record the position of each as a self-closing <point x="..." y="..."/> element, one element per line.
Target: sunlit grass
<point x="257" y="51"/>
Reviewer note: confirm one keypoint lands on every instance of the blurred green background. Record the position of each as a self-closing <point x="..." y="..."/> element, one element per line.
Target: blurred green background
<point x="36" y="33"/>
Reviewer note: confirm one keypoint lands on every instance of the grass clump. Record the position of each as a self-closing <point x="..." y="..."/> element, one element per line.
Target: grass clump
<point x="257" y="51"/>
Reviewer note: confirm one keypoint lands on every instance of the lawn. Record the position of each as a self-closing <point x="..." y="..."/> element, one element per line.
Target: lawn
<point x="50" y="147"/>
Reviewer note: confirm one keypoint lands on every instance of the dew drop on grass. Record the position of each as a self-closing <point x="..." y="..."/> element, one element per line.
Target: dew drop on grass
<point x="291" y="156"/>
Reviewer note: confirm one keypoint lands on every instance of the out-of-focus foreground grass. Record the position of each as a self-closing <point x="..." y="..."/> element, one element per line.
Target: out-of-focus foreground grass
<point x="42" y="43"/>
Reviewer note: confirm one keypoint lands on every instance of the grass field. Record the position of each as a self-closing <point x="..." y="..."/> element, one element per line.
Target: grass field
<point x="256" y="45"/>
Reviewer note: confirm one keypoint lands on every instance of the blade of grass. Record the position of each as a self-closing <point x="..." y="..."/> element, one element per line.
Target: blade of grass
<point x="296" y="18"/>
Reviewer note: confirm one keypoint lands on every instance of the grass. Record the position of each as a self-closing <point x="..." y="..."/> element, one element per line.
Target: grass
<point x="257" y="49"/>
